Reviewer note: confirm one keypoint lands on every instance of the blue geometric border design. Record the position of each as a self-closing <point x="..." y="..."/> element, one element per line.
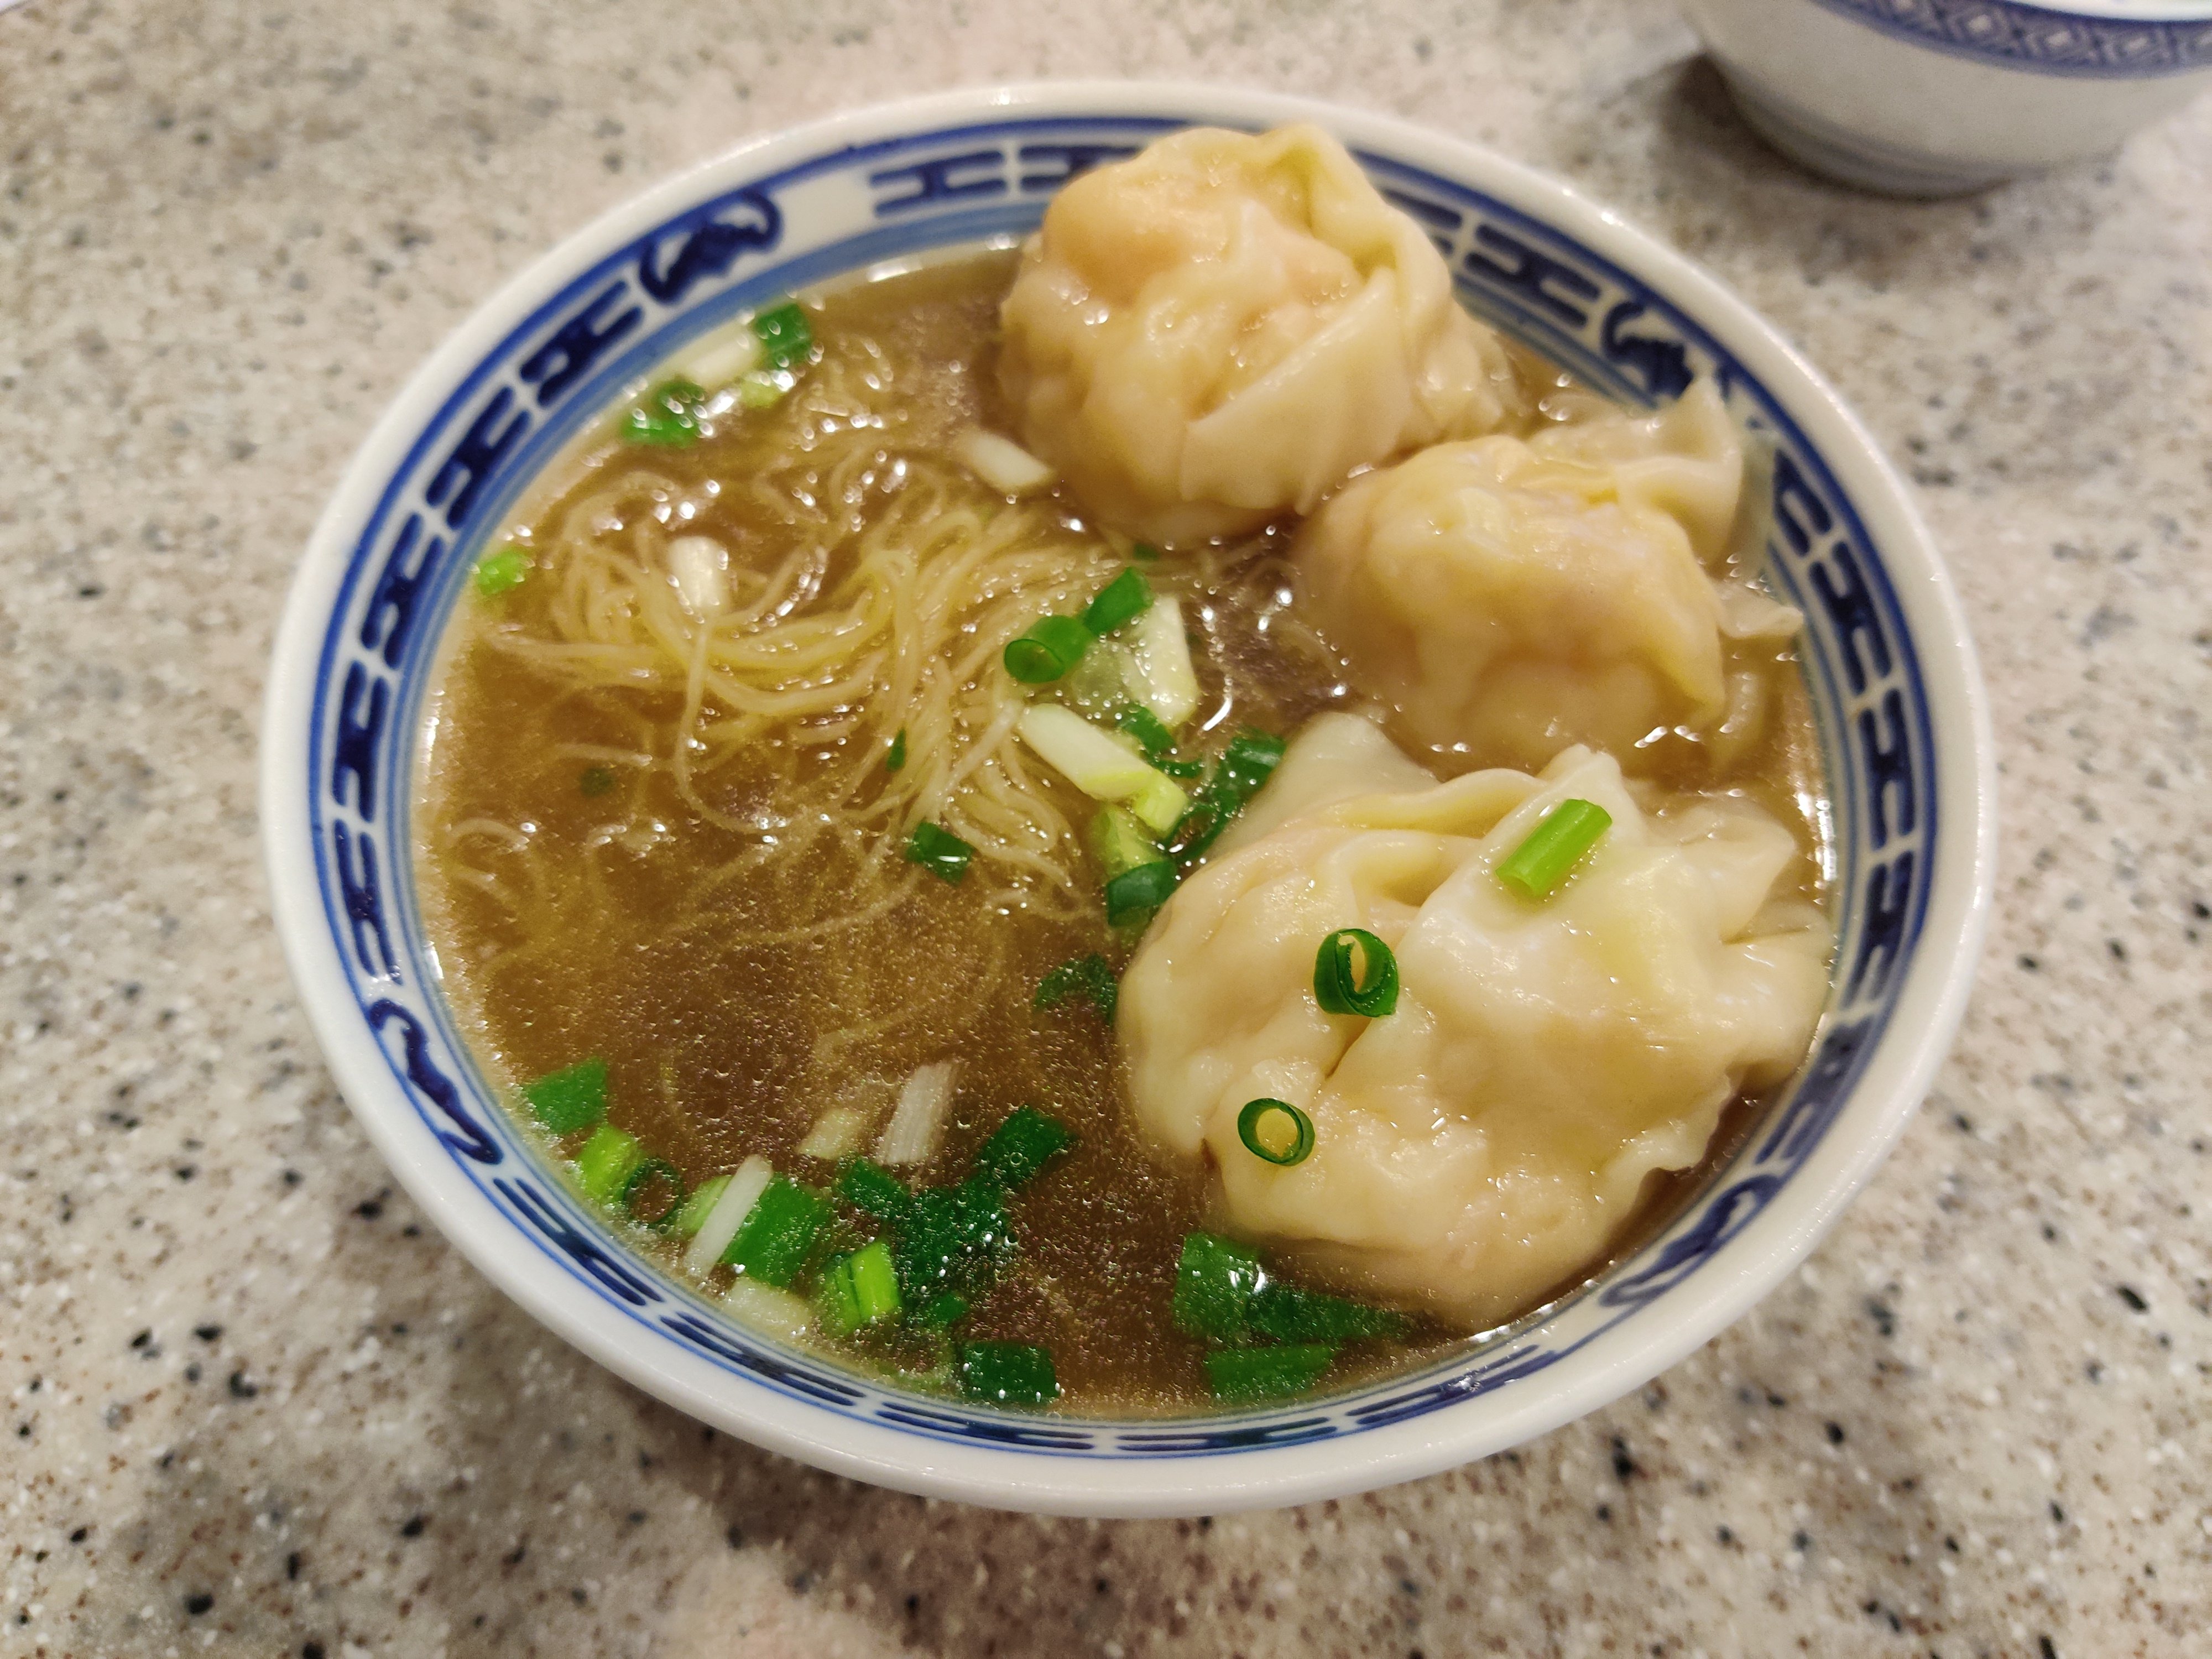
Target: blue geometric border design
<point x="536" y="391"/>
<point x="2040" y="40"/>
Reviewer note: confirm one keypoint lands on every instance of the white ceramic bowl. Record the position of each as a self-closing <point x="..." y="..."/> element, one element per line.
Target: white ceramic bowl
<point x="1899" y="709"/>
<point x="1930" y="97"/>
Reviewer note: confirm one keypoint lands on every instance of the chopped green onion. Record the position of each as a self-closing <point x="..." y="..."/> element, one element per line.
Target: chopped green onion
<point x="875" y="1280"/>
<point x="1118" y="842"/>
<point x="1021" y="1147"/>
<point x="571" y="1099"/>
<point x="1157" y="741"/>
<point x="953" y="1238"/>
<point x="667" y="419"/>
<point x="1159" y="803"/>
<point x="896" y="760"/>
<point x="1374" y="993"/>
<point x="1216" y="1279"/>
<point x="868" y="1187"/>
<point x="1147" y="728"/>
<point x="1291" y="1314"/>
<point x="946" y="1311"/>
<point x="1089" y="976"/>
<point x="1135" y="894"/>
<point x="835" y="1302"/>
<point x="692" y="1214"/>
<point x="1100" y="763"/>
<point x="1257" y="1112"/>
<point x="1245" y="765"/>
<point x="1145" y="551"/>
<point x="858" y="1290"/>
<point x="763" y="389"/>
<point x="785" y="334"/>
<point x="739" y="1193"/>
<point x="595" y="781"/>
<point x="604" y="1165"/>
<point x="1125" y="598"/>
<point x="640" y="1180"/>
<point x="940" y="852"/>
<point x="1008" y="1374"/>
<point x="1541" y="863"/>
<point x="779" y="1233"/>
<point x="1266" y="1373"/>
<point x="1165" y="679"/>
<point x="497" y="571"/>
<point x="1251" y="759"/>
<point x="1052" y="647"/>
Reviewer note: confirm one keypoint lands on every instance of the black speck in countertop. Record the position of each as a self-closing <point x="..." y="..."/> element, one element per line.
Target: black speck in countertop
<point x="1624" y="1467"/>
<point x="2129" y="1295"/>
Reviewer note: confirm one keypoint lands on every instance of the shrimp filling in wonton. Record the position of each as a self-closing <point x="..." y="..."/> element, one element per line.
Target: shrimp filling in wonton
<point x="1219" y="330"/>
<point x="1511" y="597"/>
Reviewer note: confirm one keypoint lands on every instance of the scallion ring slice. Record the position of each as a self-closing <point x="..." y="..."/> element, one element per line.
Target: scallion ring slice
<point x="1052" y="647"/>
<point x="642" y="1177"/>
<point x="1259" y="1111"/>
<point x="1336" y="986"/>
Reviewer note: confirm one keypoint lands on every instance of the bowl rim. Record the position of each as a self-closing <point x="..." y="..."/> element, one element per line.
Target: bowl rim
<point x="2098" y="40"/>
<point x="1903" y="1060"/>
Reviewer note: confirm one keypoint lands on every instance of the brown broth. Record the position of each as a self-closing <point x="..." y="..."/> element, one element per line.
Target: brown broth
<point x="632" y="950"/>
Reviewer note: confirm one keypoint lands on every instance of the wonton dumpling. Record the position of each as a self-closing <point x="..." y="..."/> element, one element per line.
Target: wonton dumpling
<point x="1221" y="328"/>
<point x="1513" y="598"/>
<point x="1488" y="1139"/>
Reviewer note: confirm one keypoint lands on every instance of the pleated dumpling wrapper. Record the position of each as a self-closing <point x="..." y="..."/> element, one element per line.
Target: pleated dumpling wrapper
<point x="1487" y="1141"/>
<point x="1510" y="598"/>
<point x="1220" y="328"/>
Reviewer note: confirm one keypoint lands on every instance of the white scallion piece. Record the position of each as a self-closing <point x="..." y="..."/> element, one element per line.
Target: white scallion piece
<point x="729" y="1213"/>
<point x="765" y="1308"/>
<point x="722" y="358"/>
<point x="1749" y="613"/>
<point x="700" y="567"/>
<point x="918" y="1124"/>
<point x="1168" y="683"/>
<point x="1002" y="463"/>
<point x="1095" y="763"/>
<point x="1160" y="804"/>
<point x="835" y="1132"/>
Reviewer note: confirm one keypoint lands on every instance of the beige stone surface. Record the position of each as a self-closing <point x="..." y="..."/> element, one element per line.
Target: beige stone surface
<point x="254" y="1407"/>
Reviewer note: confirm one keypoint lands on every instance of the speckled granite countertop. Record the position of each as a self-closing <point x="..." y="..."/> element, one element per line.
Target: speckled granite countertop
<point x="254" y="1407"/>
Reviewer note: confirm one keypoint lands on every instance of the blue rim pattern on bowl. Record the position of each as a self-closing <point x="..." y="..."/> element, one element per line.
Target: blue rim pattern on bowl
<point x="2039" y="40"/>
<point x="959" y="184"/>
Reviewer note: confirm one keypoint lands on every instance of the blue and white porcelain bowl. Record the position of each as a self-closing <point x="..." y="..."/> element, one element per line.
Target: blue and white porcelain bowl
<point x="1891" y="672"/>
<point x="1932" y="97"/>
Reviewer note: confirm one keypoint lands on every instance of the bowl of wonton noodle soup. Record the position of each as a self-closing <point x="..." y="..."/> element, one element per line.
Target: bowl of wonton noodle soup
<point x="1126" y="799"/>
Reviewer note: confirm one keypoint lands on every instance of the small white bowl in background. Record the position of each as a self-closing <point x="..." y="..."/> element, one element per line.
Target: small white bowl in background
<point x="1933" y="97"/>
